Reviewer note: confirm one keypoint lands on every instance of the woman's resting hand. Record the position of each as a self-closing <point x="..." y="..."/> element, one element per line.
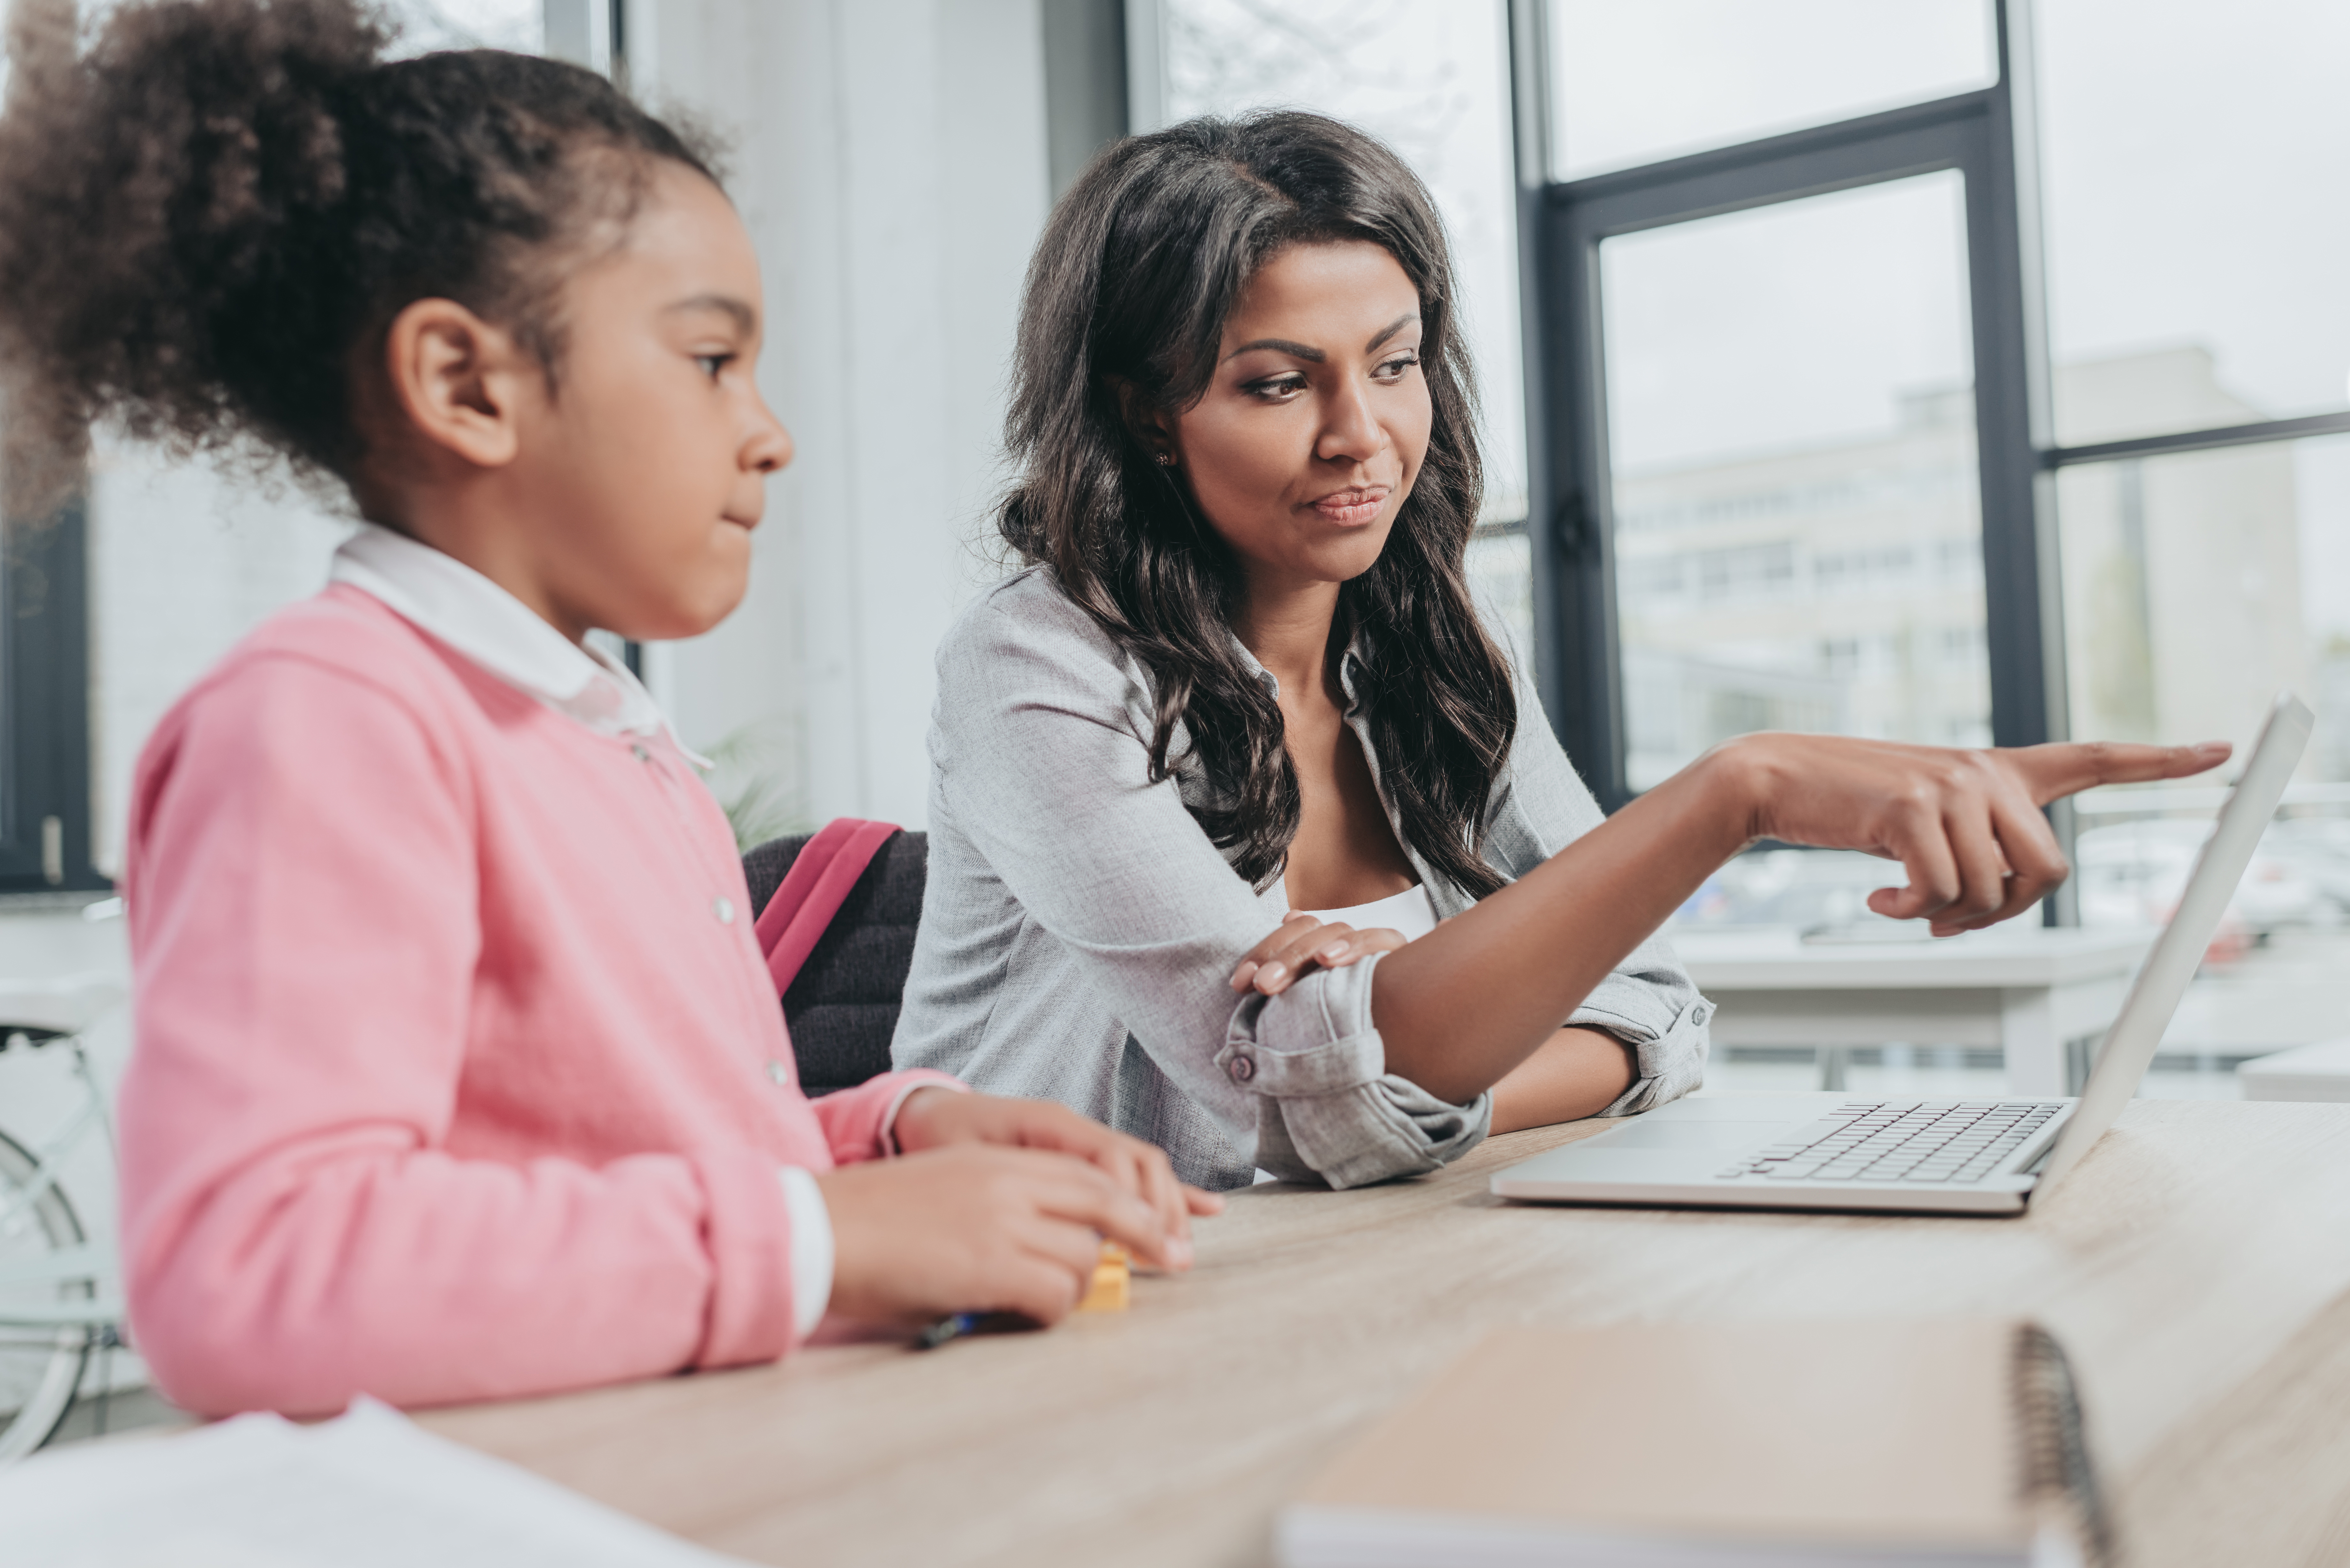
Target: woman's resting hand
<point x="1302" y="943"/>
<point x="1966" y="825"/>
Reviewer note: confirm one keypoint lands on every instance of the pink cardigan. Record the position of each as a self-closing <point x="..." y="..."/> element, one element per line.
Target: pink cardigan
<point x="459" y="1075"/>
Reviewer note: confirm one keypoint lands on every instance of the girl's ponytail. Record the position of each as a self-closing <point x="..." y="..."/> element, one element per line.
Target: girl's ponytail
<point x="204" y="215"/>
<point x="150" y="197"/>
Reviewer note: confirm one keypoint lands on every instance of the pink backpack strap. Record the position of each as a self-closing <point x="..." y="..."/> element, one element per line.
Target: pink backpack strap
<point x="813" y="892"/>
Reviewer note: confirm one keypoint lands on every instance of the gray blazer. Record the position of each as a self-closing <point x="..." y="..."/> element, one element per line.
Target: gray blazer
<point x="1078" y="928"/>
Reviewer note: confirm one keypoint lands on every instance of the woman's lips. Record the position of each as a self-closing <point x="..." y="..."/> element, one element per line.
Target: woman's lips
<point x="1353" y="506"/>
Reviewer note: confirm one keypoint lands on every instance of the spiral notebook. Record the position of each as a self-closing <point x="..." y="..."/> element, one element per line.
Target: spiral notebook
<point x="1938" y="1442"/>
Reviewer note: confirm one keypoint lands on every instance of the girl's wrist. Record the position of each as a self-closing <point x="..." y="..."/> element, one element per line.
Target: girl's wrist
<point x="914" y="1128"/>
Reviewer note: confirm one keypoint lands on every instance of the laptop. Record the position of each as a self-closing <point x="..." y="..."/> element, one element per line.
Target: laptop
<point x="1906" y="1153"/>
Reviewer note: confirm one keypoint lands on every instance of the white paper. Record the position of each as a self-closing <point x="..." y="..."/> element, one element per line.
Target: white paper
<point x="367" y="1490"/>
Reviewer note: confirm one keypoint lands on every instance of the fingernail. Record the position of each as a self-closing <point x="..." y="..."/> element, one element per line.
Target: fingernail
<point x="1332" y="951"/>
<point x="1241" y="976"/>
<point x="1272" y="972"/>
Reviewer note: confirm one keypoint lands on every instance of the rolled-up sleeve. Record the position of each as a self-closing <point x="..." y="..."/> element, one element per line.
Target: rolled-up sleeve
<point x="1042" y="758"/>
<point x="1326" y="1105"/>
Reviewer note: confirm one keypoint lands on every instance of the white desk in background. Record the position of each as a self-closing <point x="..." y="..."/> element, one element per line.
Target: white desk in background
<point x="2028" y="989"/>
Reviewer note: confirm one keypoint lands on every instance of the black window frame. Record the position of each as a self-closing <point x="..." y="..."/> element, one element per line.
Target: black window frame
<point x="46" y="813"/>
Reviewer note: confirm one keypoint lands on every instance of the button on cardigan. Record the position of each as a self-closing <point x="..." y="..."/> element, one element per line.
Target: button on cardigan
<point x="447" y="1083"/>
<point x="1079" y="927"/>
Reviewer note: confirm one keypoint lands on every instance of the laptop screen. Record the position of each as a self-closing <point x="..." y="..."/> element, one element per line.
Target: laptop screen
<point x="2145" y="1012"/>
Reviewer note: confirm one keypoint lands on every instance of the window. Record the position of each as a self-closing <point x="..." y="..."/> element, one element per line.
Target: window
<point x="1637" y="83"/>
<point x="1789" y="479"/>
<point x="2195" y="162"/>
<point x="1953" y="371"/>
<point x="1786" y="384"/>
<point x="2204" y="513"/>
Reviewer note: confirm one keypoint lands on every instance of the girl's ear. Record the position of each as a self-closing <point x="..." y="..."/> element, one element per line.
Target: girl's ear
<point x="460" y="380"/>
<point x="1154" y="430"/>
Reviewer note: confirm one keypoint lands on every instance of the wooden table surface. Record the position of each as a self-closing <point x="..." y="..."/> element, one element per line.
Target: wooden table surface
<point x="2196" y="1267"/>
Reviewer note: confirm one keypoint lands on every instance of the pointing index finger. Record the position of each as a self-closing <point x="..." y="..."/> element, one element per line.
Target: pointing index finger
<point x="2055" y="771"/>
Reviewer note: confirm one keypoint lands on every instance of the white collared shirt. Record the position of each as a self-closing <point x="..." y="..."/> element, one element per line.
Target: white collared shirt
<point x="454" y="605"/>
<point x="451" y="602"/>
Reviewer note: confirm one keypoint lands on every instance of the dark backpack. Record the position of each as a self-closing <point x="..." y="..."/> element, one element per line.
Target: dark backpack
<point x="835" y="913"/>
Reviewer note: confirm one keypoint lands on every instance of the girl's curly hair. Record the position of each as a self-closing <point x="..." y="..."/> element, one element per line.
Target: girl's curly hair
<point x="210" y="210"/>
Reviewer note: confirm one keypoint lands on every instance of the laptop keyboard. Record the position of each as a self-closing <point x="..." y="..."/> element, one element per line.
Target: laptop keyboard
<point x="1902" y="1141"/>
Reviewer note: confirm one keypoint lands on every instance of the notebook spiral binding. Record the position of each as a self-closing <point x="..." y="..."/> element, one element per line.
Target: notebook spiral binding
<point x="2058" y="1478"/>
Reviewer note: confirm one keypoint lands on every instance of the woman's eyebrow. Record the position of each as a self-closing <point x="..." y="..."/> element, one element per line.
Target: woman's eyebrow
<point x="1284" y="346"/>
<point x="1391" y="329"/>
<point x="1315" y="356"/>
<point x="747" y="320"/>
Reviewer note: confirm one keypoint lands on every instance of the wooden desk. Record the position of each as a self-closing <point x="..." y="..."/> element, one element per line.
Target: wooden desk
<point x="2196" y="1267"/>
<point x="2029" y="990"/>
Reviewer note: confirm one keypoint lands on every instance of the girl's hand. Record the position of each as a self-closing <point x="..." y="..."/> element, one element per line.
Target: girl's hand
<point x="936" y="1118"/>
<point x="974" y="1227"/>
<point x="1302" y="943"/>
<point x="1966" y="825"/>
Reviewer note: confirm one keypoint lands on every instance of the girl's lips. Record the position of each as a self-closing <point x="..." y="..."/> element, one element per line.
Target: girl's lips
<point x="1352" y="506"/>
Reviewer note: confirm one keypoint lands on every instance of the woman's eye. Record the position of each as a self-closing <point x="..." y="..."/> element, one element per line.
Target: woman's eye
<point x="713" y="364"/>
<point x="1393" y="369"/>
<point x="1278" y="389"/>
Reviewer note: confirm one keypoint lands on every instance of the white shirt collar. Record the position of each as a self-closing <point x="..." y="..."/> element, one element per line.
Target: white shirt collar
<point x="448" y="600"/>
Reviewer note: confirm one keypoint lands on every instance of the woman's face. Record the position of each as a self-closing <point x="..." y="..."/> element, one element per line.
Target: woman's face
<point x="1313" y="430"/>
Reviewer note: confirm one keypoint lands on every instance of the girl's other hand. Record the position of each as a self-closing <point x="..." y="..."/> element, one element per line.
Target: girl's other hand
<point x="1302" y="943"/>
<point x="975" y="1227"/>
<point x="1966" y="825"/>
<point x="936" y="1119"/>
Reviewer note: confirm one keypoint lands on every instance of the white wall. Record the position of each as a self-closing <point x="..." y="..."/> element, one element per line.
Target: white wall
<point x="890" y="159"/>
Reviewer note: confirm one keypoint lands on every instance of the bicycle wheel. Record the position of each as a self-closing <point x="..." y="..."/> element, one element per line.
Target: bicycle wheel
<point x="40" y="1368"/>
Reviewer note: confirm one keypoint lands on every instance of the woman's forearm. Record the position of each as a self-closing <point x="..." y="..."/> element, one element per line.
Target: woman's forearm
<point x="1576" y="1073"/>
<point x="1471" y="999"/>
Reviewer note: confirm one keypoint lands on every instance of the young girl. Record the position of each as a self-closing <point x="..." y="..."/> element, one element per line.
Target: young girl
<point x="1244" y="679"/>
<point x="458" y="1072"/>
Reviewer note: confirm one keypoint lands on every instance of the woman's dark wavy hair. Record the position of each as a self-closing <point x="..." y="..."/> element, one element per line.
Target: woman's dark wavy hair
<point x="206" y="214"/>
<point x="1140" y="265"/>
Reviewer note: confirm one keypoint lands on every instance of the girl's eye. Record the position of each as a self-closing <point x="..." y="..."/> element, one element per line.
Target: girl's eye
<point x="713" y="364"/>
<point x="1393" y="369"/>
<point x="1276" y="389"/>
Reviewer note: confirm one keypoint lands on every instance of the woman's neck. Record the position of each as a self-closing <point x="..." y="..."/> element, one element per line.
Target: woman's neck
<point x="1288" y="629"/>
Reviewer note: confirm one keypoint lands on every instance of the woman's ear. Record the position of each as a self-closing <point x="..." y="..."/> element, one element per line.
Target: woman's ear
<point x="460" y="380"/>
<point x="1154" y="430"/>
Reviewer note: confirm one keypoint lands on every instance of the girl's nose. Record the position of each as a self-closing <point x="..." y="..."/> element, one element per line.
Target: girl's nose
<point x="769" y="447"/>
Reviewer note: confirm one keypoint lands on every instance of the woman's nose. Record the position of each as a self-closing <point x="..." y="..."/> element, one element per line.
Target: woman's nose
<point x="1351" y="432"/>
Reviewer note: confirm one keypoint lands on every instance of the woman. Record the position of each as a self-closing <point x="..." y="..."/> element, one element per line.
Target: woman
<point x="1242" y="676"/>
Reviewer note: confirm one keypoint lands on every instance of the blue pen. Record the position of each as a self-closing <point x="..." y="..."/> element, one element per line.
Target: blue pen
<point x="952" y="1326"/>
